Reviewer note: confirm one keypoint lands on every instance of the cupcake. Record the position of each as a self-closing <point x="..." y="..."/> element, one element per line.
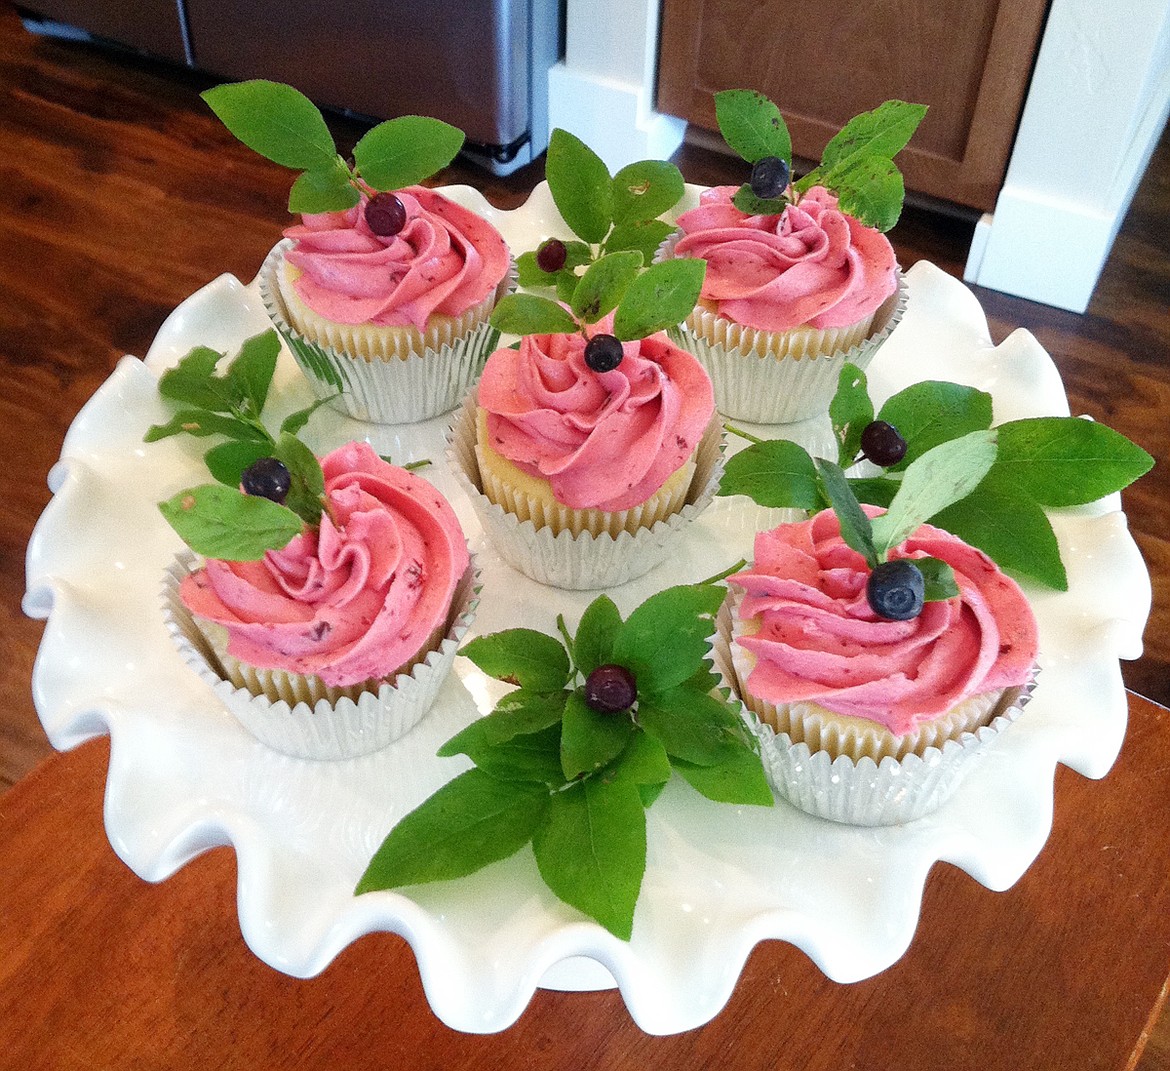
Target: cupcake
<point x="863" y="718"/>
<point x="397" y="322"/>
<point x="787" y="299"/>
<point x="583" y="473"/>
<point x="337" y="643"/>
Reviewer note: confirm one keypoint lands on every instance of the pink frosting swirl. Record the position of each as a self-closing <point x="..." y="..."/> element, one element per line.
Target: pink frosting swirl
<point x="354" y="600"/>
<point x="445" y="260"/>
<point x="810" y="265"/>
<point x="603" y="440"/>
<point x="819" y="640"/>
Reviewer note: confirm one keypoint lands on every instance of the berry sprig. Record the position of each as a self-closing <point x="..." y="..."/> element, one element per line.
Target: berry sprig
<point x="269" y="487"/>
<point x="283" y="125"/>
<point x="857" y="164"/>
<point x="571" y="759"/>
<point x="642" y="302"/>
<point x="1036" y="463"/>
<point x="608" y="214"/>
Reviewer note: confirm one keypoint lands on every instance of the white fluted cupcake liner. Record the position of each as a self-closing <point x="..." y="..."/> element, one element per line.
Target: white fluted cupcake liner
<point x="769" y="377"/>
<point x="318" y="728"/>
<point x="583" y="562"/>
<point x="400" y="387"/>
<point x="865" y="792"/>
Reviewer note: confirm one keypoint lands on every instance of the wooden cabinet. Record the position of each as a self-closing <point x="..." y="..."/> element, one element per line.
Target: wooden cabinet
<point x="824" y="61"/>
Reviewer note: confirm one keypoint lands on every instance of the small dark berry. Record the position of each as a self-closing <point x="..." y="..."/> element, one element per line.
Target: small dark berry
<point x="385" y="215"/>
<point x="896" y="590"/>
<point x="610" y="689"/>
<point x="267" y="478"/>
<point x="603" y="353"/>
<point x="882" y="443"/>
<point x="551" y="256"/>
<point x="769" y="177"/>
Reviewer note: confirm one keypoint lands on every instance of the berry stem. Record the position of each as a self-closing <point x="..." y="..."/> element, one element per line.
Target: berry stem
<point x="733" y="430"/>
<point x="726" y="572"/>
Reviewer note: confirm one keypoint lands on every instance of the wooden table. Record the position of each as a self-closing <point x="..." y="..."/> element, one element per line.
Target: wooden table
<point x="1066" y="970"/>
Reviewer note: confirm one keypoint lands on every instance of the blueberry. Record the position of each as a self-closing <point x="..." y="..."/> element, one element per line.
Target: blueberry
<point x="882" y="443"/>
<point x="267" y="478"/>
<point x="551" y="256"/>
<point x="385" y="215"/>
<point x="610" y="689"/>
<point x="896" y="590"/>
<point x="603" y="353"/>
<point x="769" y="177"/>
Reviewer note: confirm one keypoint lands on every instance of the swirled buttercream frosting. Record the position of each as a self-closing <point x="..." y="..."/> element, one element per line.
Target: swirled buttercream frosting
<point x="816" y="638"/>
<point x="356" y="598"/>
<point x="444" y="261"/>
<point x="602" y="440"/>
<point x="811" y="265"/>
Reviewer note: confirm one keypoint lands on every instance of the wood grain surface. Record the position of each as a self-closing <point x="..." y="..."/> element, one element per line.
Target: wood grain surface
<point x="1063" y="972"/>
<point x="123" y="195"/>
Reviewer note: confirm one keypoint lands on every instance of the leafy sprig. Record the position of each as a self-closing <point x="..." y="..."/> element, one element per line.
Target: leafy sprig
<point x="218" y="520"/>
<point x="283" y="125"/>
<point x="857" y="164"/>
<point x="575" y="783"/>
<point x="609" y="214"/>
<point x="1037" y="463"/>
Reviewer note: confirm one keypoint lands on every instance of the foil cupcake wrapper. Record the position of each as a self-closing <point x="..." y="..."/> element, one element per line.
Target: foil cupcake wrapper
<point x="584" y="562"/>
<point x="399" y="390"/>
<point x="767" y="389"/>
<point x="344" y="729"/>
<point x="864" y="792"/>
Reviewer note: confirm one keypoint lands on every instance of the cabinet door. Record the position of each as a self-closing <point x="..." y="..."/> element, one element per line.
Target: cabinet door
<point x="823" y="61"/>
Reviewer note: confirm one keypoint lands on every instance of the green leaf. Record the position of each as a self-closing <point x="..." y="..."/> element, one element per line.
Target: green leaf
<point x="521" y="656"/>
<point x="405" y="151"/>
<point x="942" y="476"/>
<point x="664" y="641"/>
<point x="881" y="133"/>
<point x="307" y="491"/>
<point x="253" y="368"/>
<point x="470" y="822"/>
<point x="529" y="274"/>
<point x="1067" y="461"/>
<point x="534" y="757"/>
<point x="644" y="190"/>
<point x="519" y="713"/>
<point x="693" y="726"/>
<point x="593" y="644"/>
<point x="872" y="192"/>
<point x="640" y="237"/>
<point x="662" y="296"/>
<point x="1010" y="528"/>
<point x="644" y="762"/>
<point x="876" y="491"/>
<point x="591" y="850"/>
<point x="581" y="186"/>
<point x="856" y="528"/>
<point x="939" y="578"/>
<point x="603" y="285"/>
<point x="326" y="189"/>
<point x="566" y="286"/>
<point x="740" y="780"/>
<point x="752" y="125"/>
<point x="201" y="423"/>
<point x="749" y="203"/>
<point x="275" y="120"/>
<point x="851" y="411"/>
<point x="528" y="314"/>
<point x="773" y="473"/>
<point x="220" y="522"/>
<point x="933" y="412"/>
<point x="295" y="421"/>
<point x="193" y="382"/>
<point x="590" y="740"/>
<point x="227" y="461"/>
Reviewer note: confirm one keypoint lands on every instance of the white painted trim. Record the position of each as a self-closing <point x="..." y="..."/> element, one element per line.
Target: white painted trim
<point x="1098" y="101"/>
